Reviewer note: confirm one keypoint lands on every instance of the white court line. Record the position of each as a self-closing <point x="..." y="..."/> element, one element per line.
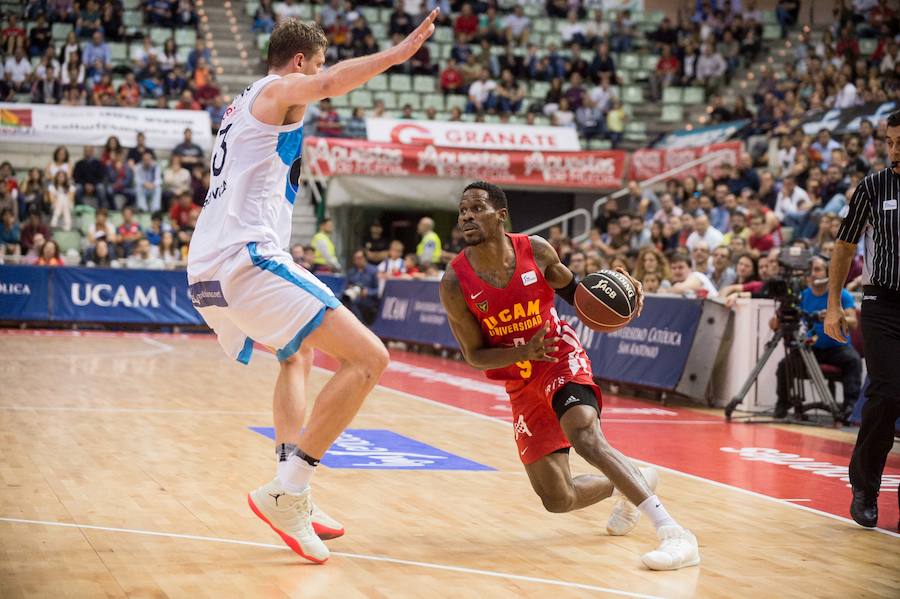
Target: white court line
<point x="161" y="348"/>
<point x="796" y="500"/>
<point x="376" y="558"/>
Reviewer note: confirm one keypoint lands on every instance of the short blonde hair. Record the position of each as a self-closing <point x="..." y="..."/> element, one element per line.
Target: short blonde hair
<point x="292" y="37"/>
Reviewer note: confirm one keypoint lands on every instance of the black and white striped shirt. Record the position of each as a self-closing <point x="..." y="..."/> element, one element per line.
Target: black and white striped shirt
<point x="875" y="213"/>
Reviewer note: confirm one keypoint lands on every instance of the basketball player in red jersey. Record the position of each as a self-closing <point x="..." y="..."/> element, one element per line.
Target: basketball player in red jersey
<point x="499" y="294"/>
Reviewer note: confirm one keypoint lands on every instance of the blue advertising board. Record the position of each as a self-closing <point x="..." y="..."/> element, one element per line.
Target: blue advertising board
<point x="379" y="449"/>
<point x="652" y="350"/>
<point x="412" y="311"/>
<point x="24" y="293"/>
<point x="116" y="295"/>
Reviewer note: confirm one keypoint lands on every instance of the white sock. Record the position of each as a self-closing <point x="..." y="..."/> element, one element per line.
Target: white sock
<point x="653" y="508"/>
<point x="294" y="474"/>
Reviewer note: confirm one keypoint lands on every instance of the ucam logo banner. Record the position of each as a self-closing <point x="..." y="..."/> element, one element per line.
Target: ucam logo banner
<point x="113" y="295"/>
<point x="378" y="449"/>
<point x="481" y="136"/>
<point x="24" y="292"/>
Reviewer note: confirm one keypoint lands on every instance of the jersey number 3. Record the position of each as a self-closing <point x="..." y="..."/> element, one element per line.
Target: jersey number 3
<point x="217" y="168"/>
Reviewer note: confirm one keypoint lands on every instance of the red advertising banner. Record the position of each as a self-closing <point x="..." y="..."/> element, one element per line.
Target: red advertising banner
<point x="574" y="170"/>
<point x="651" y="162"/>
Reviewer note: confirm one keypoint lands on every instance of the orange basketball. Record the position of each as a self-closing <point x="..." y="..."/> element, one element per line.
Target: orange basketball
<point x="605" y="301"/>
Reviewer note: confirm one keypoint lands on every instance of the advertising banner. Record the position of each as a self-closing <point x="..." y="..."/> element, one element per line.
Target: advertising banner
<point x="652" y="350"/>
<point x="24" y="293"/>
<point x="127" y="296"/>
<point x="479" y="136"/>
<point x="93" y="125"/>
<point x="847" y="120"/>
<point x="701" y="136"/>
<point x="573" y="170"/>
<point x="412" y="311"/>
<point x="651" y="162"/>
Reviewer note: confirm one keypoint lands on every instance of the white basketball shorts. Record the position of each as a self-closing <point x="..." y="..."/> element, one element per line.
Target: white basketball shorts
<point x="259" y="294"/>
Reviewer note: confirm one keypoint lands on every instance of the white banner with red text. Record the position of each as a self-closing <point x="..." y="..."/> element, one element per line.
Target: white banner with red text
<point x="93" y="125"/>
<point x="651" y="162"/>
<point x="573" y="170"/>
<point x="479" y="136"/>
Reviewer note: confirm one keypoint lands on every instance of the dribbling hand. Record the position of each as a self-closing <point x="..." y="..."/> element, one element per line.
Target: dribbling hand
<point x="414" y="40"/>
<point x="539" y="347"/>
<point x="638" y="290"/>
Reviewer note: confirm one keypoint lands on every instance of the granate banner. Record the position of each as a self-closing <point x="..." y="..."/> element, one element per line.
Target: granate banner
<point x="574" y="170"/>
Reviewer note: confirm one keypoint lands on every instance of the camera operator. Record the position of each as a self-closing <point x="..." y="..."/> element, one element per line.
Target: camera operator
<point x="840" y="354"/>
<point x="361" y="294"/>
<point x="873" y="212"/>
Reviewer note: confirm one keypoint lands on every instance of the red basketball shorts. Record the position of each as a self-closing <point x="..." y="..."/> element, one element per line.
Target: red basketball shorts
<point x="535" y="426"/>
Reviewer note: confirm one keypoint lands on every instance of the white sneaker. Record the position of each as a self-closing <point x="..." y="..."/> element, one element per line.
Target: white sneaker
<point x="291" y="517"/>
<point x="324" y="525"/>
<point x="677" y="550"/>
<point x="625" y="515"/>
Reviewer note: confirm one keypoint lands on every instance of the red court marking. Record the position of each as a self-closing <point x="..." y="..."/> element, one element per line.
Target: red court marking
<point x="748" y="460"/>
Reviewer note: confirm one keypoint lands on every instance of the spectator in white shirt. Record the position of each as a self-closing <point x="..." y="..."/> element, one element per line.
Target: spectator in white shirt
<point x="142" y="257"/>
<point x="287" y="10"/>
<point x="703" y="231"/>
<point x="847" y="94"/>
<point x="481" y="96"/>
<point x="517" y="26"/>
<point x="19" y="68"/>
<point x="686" y="281"/>
<point x="573" y="31"/>
<point x="710" y="68"/>
<point x="791" y="199"/>
<point x="601" y="95"/>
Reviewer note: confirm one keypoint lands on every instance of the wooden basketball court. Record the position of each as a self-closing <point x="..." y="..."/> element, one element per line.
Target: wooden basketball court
<point x="127" y="458"/>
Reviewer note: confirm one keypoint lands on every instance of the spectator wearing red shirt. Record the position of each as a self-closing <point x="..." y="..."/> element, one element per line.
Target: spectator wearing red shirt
<point x="130" y="92"/>
<point x="667" y="68"/>
<point x="452" y="79"/>
<point x="759" y="241"/>
<point x="187" y="102"/>
<point x="129" y="232"/>
<point x="12" y="33"/>
<point x="466" y="25"/>
<point x="328" y="122"/>
<point x="847" y="46"/>
<point x="184" y="212"/>
<point x="49" y="254"/>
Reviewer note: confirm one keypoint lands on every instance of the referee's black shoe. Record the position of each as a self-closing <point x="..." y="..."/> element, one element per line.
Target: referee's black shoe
<point x="864" y="509"/>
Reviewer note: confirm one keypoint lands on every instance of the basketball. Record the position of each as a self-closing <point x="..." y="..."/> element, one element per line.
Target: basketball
<point x="605" y="301"/>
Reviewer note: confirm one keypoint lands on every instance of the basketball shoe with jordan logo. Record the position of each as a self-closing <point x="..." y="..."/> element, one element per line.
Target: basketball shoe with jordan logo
<point x="296" y="518"/>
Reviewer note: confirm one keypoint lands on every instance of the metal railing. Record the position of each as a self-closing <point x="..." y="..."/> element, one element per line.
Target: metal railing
<point x="564" y="220"/>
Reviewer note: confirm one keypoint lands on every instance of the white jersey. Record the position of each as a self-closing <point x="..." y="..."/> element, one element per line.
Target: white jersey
<point x="254" y="176"/>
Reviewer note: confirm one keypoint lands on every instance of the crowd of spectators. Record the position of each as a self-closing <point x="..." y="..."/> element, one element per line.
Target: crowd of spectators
<point x="578" y="65"/>
<point x="166" y="198"/>
<point x="81" y="70"/>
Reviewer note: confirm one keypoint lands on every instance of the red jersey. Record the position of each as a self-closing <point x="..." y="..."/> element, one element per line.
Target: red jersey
<point x="512" y="315"/>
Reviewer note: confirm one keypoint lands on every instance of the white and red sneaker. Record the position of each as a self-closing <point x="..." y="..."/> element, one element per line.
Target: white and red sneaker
<point x="290" y="515"/>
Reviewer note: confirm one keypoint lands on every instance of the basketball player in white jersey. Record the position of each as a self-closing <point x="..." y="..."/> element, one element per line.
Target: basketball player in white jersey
<point x="248" y="288"/>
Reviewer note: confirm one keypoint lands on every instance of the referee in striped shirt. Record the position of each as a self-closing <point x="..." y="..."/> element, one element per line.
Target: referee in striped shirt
<point x="875" y="214"/>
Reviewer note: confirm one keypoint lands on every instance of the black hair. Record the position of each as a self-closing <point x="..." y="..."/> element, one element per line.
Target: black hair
<point x="496" y="196"/>
<point x="894" y="119"/>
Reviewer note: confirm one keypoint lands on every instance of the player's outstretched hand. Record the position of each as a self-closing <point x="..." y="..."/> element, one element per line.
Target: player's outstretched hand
<point x="539" y="347"/>
<point x="638" y="289"/>
<point x="414" y="40"/>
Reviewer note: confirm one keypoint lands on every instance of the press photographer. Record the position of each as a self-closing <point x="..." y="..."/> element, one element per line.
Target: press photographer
<point x="810" y="310"/>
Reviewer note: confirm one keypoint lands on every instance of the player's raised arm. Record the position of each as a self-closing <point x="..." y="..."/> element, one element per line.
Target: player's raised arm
<point x="468" y="333"/>
<point x="297" y="89"/>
